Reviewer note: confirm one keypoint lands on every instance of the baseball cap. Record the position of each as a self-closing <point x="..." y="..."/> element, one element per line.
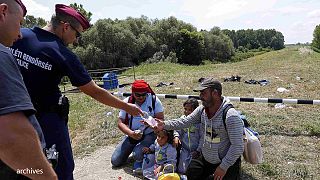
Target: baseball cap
<point x="208" y="83"/>
<point x="24" y="9"/>
<point x="63" y="9"/>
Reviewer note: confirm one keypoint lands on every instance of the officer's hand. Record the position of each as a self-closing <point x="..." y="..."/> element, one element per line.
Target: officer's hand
<point x="133" y="110"/>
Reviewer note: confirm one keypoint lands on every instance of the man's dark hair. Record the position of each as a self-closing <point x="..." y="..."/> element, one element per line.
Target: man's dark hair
<point x="218" y="90"/>
<point x="194" y="102"/>
<point x="58" y="17"/>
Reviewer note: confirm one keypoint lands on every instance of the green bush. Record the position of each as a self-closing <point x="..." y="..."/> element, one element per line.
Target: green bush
<point x="239" y="56"/>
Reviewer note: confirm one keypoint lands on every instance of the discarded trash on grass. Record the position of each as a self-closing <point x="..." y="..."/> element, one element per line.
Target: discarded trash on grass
<point x="262" y="82"/>
<point x="279" y="106"/>
<point x="282" y="89"/>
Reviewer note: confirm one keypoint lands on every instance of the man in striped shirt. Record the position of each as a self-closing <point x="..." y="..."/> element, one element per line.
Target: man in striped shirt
<point x="221" y="145"/>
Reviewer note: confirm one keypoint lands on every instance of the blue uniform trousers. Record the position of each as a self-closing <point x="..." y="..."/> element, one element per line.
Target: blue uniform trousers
<point x="56" y="131"/>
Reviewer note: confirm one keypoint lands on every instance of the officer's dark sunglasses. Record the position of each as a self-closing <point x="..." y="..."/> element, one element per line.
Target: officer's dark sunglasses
<point x="140" y="94"/>
<point x="78" y="34"/>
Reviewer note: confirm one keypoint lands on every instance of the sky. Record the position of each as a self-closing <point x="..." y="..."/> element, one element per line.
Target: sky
<point x="295" y="19"/>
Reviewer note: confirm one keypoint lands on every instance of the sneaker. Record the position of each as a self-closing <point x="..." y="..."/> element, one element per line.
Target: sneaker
<point x="137" y="167"/>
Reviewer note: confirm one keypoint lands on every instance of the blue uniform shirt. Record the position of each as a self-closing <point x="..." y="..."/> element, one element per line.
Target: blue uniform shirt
<point x="13" y="93"/>
<point x="44" y="60"/>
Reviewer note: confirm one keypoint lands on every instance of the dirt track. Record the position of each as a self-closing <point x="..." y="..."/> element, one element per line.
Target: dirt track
<point x="97" y="166"/>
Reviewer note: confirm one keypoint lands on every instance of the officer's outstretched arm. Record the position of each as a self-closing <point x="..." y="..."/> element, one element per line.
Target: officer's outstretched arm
<point x="103" y="96"/>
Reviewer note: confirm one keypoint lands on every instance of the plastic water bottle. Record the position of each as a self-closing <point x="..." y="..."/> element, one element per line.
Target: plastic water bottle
<point x="145" y="115"/>
<point x="183" y="177"/>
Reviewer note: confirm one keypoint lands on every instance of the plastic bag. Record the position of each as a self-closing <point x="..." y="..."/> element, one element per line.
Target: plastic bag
<point x="169" y="176"/>
<point x="149" y="120"/>
<point x="252" y="148"/>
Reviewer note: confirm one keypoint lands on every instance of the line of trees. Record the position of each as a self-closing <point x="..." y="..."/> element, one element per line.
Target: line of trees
<point x="255" y="39"/>
<point x="316" y="39"/>
<point x="119" y="43"/>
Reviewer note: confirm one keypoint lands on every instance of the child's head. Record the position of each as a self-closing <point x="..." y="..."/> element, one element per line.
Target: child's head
<point x="190" y="105"/>
<point x="164" y="136"/>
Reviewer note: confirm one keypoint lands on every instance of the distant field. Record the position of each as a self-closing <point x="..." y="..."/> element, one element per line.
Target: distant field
<point x="290" y="136"/>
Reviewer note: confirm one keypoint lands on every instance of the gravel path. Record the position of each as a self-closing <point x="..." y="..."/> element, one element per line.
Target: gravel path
<point x="97" y="166"/>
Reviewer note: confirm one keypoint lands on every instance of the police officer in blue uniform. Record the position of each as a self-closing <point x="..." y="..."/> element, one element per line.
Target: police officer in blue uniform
<point x="44" y="59"/>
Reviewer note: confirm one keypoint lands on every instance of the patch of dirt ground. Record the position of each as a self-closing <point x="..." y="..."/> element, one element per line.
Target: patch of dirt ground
<point x="97" y="166"/>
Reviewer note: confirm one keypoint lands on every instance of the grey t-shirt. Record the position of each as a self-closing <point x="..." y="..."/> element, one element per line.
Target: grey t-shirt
<point x="14" y="96"/>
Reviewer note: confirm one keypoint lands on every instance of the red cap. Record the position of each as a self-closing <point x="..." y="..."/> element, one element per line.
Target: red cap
<point x="140" y="86"/>
<point x="24" y="9"/>
<point x="61" y="8"/>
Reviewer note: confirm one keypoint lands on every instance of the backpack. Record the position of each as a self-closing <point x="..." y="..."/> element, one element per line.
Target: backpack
<point x="252" y="147"/>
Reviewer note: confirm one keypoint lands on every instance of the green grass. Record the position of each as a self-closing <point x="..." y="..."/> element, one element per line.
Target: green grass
<point x="290" y="136"/>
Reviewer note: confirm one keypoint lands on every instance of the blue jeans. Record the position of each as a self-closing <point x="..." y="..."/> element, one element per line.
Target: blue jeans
<point x="124" y="149"/>
<point x="56" y="131"/>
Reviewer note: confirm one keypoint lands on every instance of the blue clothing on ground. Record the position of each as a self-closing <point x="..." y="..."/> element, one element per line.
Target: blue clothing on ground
<point x="44" y="60"/>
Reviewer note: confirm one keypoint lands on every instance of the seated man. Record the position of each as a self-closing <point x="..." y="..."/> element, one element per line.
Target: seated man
<point x="137" y="134"/>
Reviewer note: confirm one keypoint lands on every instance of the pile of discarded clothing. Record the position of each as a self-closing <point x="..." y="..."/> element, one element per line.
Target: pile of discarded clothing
<point x="233" y="78"/>
<point x="164" y="84"/>
<point x="262" y="82"/>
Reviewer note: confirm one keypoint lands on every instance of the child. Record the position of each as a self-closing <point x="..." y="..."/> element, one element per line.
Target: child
<point x="159" y="155"/>
<point x="189" y="138"/>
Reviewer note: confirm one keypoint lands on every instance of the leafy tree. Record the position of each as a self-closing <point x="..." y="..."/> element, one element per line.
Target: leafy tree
<point x="233" y="36"/>
<point x="119" y="46"/>
<point x="30" y="21"/>
<point x="218" y="46"/>
<point x="148" y="48"/>
<point x="277" y="41"/>
<point x="316" y="38"/>
<point x="255" y="39"/>
<point x="167" y="31"/>
<point x="190" y="47"/>
<point x="80" y="8"/>
<point x="138" y="26"/>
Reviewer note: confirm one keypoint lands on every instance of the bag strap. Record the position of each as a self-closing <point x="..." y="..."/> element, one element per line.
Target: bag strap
<point x="126" y="120"/>
<point x="132" y="101"/>
<point x="153" y="101"/>
<point x="224" y="115"/>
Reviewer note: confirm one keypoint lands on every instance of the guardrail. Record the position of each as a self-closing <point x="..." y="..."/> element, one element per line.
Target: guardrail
<point x="237" y="99"/>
